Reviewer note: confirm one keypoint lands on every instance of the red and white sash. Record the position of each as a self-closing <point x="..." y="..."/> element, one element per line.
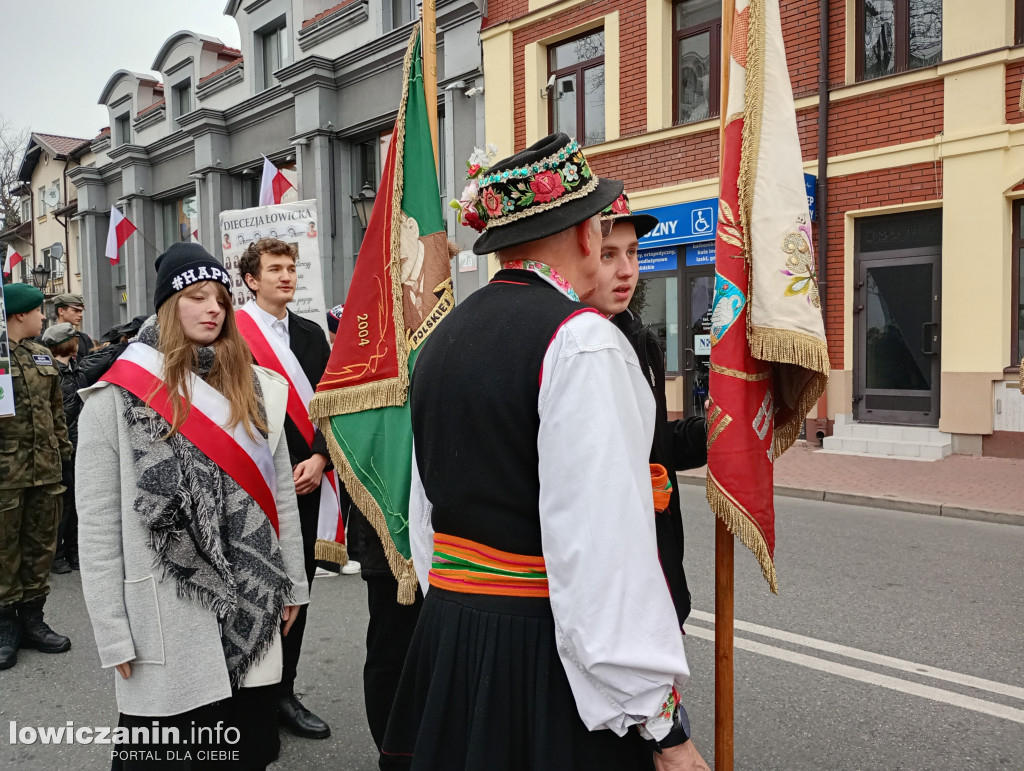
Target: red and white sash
<point x="140" y="370"/>
<point x="271" y="352"/>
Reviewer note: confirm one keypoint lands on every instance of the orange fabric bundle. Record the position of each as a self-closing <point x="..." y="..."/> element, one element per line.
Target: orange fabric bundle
<point x="662" y="487"/>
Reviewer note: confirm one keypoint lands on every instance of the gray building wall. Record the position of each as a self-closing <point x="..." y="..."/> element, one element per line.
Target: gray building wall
<point x="320" y="110"/>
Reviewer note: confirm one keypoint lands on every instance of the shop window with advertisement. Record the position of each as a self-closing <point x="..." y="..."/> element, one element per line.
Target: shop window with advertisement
<point x="1017" y="260"/>
<point x="697" y="56"/>
<point x="897" y="36"/>
<point x="576" y="98"/>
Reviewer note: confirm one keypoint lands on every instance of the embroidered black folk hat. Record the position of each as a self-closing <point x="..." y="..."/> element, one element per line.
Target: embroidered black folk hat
<point x="619" y="211"/>
<point x="542" y="190"/>
<point x="183" y="265"/>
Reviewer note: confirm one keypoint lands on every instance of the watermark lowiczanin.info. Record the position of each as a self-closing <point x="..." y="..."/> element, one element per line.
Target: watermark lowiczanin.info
<point x="138" y="736"/>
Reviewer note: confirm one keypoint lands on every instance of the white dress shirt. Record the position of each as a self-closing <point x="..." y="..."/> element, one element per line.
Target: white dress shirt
<point x="280" y="326"/>
<point x="617" y="632"/>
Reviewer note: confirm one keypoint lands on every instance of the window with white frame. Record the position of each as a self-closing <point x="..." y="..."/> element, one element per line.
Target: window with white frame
<point x="42" y="201"/>
<point x="398" y="13"/>
<point x="181" y="99"/>
<point x="123" y="129"/>
<point x="576" y="98"/>
<point x="271" y="42"/>
<point x="26" y="209"/>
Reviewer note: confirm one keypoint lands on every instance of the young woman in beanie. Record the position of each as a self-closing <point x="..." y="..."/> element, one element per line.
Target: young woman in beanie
<point x="191" y="551"/>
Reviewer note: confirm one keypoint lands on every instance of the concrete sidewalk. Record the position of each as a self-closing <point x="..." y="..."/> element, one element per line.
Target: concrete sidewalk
<point x="989" y="489"/>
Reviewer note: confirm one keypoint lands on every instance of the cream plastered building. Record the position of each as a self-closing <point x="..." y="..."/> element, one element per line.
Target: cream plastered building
<point x="921" y="196"/>
<point x="48" y="236"/>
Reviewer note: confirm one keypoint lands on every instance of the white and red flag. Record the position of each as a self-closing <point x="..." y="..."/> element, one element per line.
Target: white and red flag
<point x="13" y="258"/>
<point x="769" y="356"/>
<point x="273" y="185"/>
<point x="120" y="228"/>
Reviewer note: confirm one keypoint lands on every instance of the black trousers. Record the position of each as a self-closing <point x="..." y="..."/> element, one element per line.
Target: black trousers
<point x="67" y="532"/>
<point x="252" y="711"/>
<point x="309" y="514"/>
<point x="387" y="641"/>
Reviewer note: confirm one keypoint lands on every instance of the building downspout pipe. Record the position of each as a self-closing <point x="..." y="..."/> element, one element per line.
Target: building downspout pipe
<point x="821" y="205"/>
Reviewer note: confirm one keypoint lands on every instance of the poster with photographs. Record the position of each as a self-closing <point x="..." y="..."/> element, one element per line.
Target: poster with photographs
<point x="294" y="223"/>
<point x="6" y="382"/>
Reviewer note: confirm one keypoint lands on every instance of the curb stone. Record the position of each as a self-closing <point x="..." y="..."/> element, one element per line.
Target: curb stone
<point x="948" y="510"/>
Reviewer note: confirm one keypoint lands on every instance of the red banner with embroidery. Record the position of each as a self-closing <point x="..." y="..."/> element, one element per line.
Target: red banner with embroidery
<point x="769" y="357"/>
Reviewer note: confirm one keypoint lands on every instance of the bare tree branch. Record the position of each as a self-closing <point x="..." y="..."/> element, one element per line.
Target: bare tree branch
<point x="12" y="146"/>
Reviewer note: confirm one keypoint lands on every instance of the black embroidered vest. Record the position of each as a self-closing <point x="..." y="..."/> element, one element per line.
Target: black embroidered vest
<point x="474" y="410"/>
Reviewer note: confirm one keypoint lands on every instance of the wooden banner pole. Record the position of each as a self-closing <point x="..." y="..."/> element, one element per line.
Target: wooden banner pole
<point x="428" y="44"/>
<point x="723" y="538"/>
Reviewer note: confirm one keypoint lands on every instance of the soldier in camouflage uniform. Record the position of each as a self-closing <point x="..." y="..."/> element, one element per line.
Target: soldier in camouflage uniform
<point x="32" y="444"/>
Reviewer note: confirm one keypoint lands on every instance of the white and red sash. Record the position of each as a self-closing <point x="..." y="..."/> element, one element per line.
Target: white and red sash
<point x="271" y="352"/>
<point x="140" y="371"/>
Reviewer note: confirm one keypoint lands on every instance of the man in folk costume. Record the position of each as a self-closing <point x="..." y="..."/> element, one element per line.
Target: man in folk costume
<point x="548" y="637"/>
<point x="296" y="348"/>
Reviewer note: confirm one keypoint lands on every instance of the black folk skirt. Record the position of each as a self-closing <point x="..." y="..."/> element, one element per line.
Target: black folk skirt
<point x="483" y="689"/>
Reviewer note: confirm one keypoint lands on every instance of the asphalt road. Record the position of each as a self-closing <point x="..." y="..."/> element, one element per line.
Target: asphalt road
<point x="930" y="612"/>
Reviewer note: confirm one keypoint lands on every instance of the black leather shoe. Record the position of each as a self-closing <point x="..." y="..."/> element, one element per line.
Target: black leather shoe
<point x="300" y="721"/>
<point x="36" y="633"/>
<point x="73" y="562"/>
<point x="60" y="566"/>
<point x="10" y="637"/>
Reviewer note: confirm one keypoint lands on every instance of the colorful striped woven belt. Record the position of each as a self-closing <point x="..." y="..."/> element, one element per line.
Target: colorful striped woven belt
<point x="461" y="565"/>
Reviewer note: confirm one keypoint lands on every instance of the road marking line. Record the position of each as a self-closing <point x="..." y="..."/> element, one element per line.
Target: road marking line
<point x="871" y="678"/>
<point x="871" y="658"/>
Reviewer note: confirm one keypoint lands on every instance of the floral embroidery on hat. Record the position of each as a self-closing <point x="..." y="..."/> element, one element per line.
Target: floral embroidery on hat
<point x="497" y="198"/>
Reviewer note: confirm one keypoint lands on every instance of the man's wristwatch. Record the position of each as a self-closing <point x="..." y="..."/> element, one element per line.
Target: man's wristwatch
<point x="678" y="734"/>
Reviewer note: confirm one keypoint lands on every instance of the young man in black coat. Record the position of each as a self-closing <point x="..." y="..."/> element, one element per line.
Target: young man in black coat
<point x="268" y="269"/>
<point x="678" y="444"/>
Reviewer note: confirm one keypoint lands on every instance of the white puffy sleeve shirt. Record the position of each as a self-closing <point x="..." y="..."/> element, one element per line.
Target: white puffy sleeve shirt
<point x="617" y="633"/>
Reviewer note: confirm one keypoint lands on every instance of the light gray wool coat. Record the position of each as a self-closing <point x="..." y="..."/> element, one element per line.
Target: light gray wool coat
<point x="172" y="643"/>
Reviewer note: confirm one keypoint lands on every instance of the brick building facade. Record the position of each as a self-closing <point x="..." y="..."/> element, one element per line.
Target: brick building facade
<point x="925" y="160"/>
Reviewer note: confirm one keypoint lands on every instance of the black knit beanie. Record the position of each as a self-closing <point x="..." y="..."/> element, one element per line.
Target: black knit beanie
<point x="183" y="265"/>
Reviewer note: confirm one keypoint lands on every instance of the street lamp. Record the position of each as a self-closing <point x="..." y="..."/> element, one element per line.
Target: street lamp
<point x="40" y="275"/>
<point x="363" y="204"/>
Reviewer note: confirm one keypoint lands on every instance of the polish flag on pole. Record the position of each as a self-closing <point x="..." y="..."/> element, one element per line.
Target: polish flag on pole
<point x="273" y="185"/>
<point x="120" y="228"/>
<point x="13" y="258"/>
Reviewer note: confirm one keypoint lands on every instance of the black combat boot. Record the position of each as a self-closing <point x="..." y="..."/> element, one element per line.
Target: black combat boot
<point x="35" y="633"/>
<point x="10" y="636"/>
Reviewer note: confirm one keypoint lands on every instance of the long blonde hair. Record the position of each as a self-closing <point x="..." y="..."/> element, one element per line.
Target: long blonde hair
<point x="231" y="374"/>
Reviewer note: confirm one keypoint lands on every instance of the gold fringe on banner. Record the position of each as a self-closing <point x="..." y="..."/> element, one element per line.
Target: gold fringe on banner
<point x="349" y="399"/>
<point x="330" y="551"/>
<point x="739" y="524"/>
<point x="786" y="346"/>
<point x="792" y="348"/>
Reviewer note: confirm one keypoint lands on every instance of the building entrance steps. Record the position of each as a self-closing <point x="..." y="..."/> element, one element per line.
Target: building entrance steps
<point x="910" y="442"/>
<point x="961" y="486"/>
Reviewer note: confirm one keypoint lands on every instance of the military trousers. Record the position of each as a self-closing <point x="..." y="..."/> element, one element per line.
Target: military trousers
<point x="29" y="517"/>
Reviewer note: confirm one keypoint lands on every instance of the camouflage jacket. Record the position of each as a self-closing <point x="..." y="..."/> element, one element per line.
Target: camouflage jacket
<point x="35" y="439"/>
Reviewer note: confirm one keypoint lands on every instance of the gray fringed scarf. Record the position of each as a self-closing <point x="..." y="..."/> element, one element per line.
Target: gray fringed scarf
<point x="209" y="535"/>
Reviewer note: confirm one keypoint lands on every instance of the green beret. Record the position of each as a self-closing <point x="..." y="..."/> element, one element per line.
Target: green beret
<point x="21" y="298"/>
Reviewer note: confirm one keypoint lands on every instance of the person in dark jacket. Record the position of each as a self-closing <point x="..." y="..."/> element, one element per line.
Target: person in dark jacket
<point x="678" y="444"/>
<point x="95" y="365"/>
<point x="69" y="308"/>
<point x="63" y="341"/>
